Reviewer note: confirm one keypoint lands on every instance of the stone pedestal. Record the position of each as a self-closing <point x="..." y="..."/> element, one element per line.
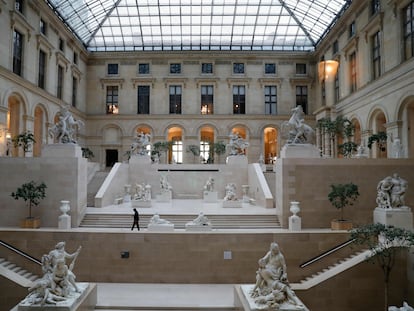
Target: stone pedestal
<point x="295" y="223"/>
<point x="161" y="227"/>
<point x="243" y="301"/>
<point x="85" y="300"/>
<point x="140" y="160"/>
<point x="62" y="151"/>
<point x="240" y="160"/>
<point x="140" y="203"/>
<point x="307" y="151"/>
<point x="233" y="203"/>
<point x="64" y="222"/>
<point x="193" y="227"/>
<point x="210" y="196"/>
<point x="164" y="196"/>
<point x="397" y="217"/>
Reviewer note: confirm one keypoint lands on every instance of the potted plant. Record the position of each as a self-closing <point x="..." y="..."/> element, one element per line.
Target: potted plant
<point x="31" y="193"/>
<point x="160" y="148"/>
<point x="342" y="195"/>
<point x="195" y="150"/>
<point x="380" y="138"/>
<point x="219" y="148"/>
<point x="24" y="140"/>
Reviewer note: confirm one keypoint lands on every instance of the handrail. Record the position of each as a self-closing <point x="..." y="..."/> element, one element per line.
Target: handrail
<point x="328" y="252"/>
<point x="17" y="251"/>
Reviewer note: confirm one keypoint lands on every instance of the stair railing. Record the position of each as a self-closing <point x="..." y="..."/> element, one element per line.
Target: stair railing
<point x="17" y="251"/>
<point x="326" y="253"/>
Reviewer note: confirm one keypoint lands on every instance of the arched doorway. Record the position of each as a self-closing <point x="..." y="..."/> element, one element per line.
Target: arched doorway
<point x="176" y="150"/>
<point x="38" y="131"/>
<point x="111" y="144"/>
<point x="357" y="131"/>
<point x="378" y="125"/>
<point x="14" y="121"/>
<point x="206" y="144"/>
<point x="270" y="148"/>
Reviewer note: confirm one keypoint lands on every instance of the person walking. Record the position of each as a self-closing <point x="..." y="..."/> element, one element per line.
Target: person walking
<point x="136" y="220"/>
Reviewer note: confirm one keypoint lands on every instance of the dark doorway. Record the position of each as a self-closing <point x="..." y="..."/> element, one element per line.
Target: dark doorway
<point x="111" y="157"/>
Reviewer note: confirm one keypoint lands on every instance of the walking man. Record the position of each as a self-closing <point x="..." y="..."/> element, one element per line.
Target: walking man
<point x="136" y="220"/>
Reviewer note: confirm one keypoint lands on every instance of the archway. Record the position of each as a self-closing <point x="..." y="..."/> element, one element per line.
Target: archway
<point x="378" y="125"/>
<point x="270" y="148"/>
<point x="357" y="131"/>
<point x="206" y="144"/>
<point x="176" y="150"/>
<point x="38" y="131"/>
<point x="14" y="121"/>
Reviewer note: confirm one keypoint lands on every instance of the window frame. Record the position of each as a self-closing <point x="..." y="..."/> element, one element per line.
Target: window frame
<point x="112" y="99"/>
<point x="147" y="102"/>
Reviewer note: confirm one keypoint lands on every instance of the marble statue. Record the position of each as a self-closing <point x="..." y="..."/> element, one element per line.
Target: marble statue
<point x="65" y="130"/>
<point x="209" y="186"/>
<point x="272" y="289"/>
<point x="230" y="192"/>
<point x="157" y="220"/>
<point x="142" y="192"/>
<point x="140" y="143"/>
<point x="397" y="149"/>
<point x="164" y="184"/>
<point x="237" y="145"/>
<point x="295" y="130"/>
<point x="405" y="307"/>
<point x="58" y="281"/>
<point x="391" y="191"/>
<point x="200" y="220"/>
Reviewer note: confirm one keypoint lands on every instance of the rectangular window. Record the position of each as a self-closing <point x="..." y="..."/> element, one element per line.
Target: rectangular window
<point x="59" y="91"/>
<point x="353" y="73"/>
<point x="177" y="151"/>
<point x="408" y="24"/>
<point x="302" y="97"/>
<point x="351" y="30"/>
<point x="376" y="55"/>
<point x="19" y="5"/>
<point x="270" y="69"/>
<point x="239" y="99"/>
<point x="205" y="150"/>
<point x="337" y="87"/>
<point x="335" y="47"/>
<point x="17" y="53"/>
<point x="112" y="100"/>
<point x="61" y="44"/>
<point x="112" y="69"/>
<point x="175" y="99"/>
<point x="207" y="97"/>
<point x="74" y="91"/>
<point x="301" y="69"/>
<point x="207" y="68"/>
<point x="238" y="68"/>
<point x="143" y="99"/>
<point x="270" y="99"/>
<point x="43" y="27"/>
<point x="75" y="58"/>
<point x="375" y="6"/>
<point x="175" y="68"/>
<point x="41" y="79"/>
<point x="143" y="69"/>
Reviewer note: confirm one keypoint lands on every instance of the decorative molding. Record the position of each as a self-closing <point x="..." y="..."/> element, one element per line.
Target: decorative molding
<point x="232" y="81"/>
<point x="268" y="81"/>
<point x="42" y="41"/>
<point x="352" y="45"/>
<point x="168" y="81"/>
<point x="375" y="24"/>
<point x="146" y="81"/>
<point x="301" y="80"/>
<point x="76" y="71"/>
<point x="19" y="20"/>
<point x="106" y="81"/>
<point x="60" y="58"/>
<point x="206" y="81"/>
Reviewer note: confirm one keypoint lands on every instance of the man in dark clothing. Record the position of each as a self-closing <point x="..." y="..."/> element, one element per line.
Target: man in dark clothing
<point x="136" y="220"/>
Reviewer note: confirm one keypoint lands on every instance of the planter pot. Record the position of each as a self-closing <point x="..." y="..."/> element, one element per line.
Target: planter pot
<point x="337" y="224"/>
<point x="30" y="223"/>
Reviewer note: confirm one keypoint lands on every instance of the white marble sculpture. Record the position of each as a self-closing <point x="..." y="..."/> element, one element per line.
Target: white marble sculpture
<point x="230" y="192"/>
<point x="58" y="282"/>
<point x="157" y="220"/>
<point x="200" y="220"/>
<point x="142" y="192"/>
<point x="66" y="129"/>
<point x="272" y="290"/>
<point x="237" y="145"/>
<point x="295" y="130"/>
<point x="209" y="186"/>
<point x="140" y="144"/>
<point x="405" y="307"/>
<point x="397" y="149"/>
<point x="165" y="186"/>
<point x="391" y="191"/>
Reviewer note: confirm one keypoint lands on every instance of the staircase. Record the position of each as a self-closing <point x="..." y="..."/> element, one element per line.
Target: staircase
<point x="16" y="274"/>
<point x="94" y="185"/>
<point x="99" y="220"/>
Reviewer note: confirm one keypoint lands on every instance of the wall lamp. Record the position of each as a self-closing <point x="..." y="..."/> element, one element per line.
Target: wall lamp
<point x="327" y="70"/>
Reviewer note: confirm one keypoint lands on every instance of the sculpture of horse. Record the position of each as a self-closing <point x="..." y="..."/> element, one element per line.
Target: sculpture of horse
<point x="295" y="130"/>
<point x="65" y="130"/>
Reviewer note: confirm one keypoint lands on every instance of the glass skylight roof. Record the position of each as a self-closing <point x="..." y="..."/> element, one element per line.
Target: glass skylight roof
<point x="155" y="25"/>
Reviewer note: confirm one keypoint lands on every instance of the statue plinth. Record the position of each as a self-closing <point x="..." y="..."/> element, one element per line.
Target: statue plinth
<point x="165" y="196"/>
<point x="196" y="227"/>
<point x="237" y="160"/>
<point x="62" y="151"/>
<point x="210" y="196"/>
<point x="161" y="227"/>
<point x="140" y="203"/>
<point x="397" y="217"/>
<point x="138" y="159"/>
<point x="306" y="151"/>
<point x="233" y="203"/>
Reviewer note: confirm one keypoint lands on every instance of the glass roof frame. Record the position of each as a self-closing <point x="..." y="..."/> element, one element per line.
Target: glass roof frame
<point x="160" y="25"/>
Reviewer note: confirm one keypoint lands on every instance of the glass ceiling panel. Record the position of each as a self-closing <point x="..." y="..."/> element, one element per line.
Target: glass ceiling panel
<point x="116" y="25"/>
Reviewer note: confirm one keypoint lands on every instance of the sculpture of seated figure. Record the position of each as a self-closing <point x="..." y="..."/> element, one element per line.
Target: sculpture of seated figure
<point x="200" y="220"/>
<point x="230" y="192"/>
<point x="209" y="186"/>
<point x="391" y="191"/>
<point x="272" y="286"/>
<point x="237" y="144"/>
<point x="157" y="220"/>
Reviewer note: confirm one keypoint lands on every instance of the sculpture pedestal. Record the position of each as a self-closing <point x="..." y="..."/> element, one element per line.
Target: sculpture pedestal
<point x="236" y="204"/>
<point x="193" y="227"/>
<point x="295" y="223"/>
<point x="85" y="300"/>
<point x="243" y="301"/>
<point x="62" y="151"/>
<point x="307" y="151"/>
<point x="161" y="227"/>
<point x="164" y="197"/>
<point x="397" y="217"/>
<point x="137" y="159"/>
<point x="237" y="160"/>
<point x="139" y="203"/>
<point x="64" y="221"/>
<point x="210" y="196"/>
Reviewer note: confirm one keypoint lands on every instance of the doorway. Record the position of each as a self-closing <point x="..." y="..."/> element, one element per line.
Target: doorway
<point x="111" y="157"/>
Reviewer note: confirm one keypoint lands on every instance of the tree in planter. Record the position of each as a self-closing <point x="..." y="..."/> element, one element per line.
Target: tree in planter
<point x="384" y="242"/>
<point x="347" y="129"/>
<point x="31" y="193"/>
<point x="24" y="140"/>
<point x="219" y="148"/>
<point x="195" y="150"/>
<point x="380" y="138"/>
<point x="343" y="195"/>
<point x="160" y="147"/>
<point x="347" y="149"/>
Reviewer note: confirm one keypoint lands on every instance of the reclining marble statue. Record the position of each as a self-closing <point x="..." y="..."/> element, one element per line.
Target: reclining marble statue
<point x="272" y="290"/>
<point x="66" y="129"/>
<point x="58" y="282"/>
